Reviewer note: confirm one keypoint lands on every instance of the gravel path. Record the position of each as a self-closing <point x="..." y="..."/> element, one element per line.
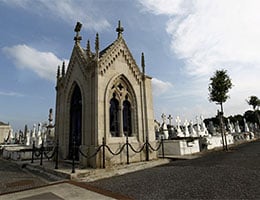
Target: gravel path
<point x="217" y="175"/>
<point x="14" y="178"/>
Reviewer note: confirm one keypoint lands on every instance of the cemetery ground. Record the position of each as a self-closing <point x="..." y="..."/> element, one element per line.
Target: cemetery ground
<point x="216" y="175"/>
<point x="213" y="175"/>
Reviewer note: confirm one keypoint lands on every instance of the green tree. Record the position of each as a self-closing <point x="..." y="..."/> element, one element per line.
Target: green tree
<point x="219" y="86"/>
<point x="253" y="101"/>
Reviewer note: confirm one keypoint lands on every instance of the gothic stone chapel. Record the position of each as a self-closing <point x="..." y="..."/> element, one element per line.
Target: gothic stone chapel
<point x="103" y="94"/>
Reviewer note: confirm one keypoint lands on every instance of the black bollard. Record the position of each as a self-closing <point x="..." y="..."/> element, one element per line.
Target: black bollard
<point x="33" y="149"/>
<point x="41" y="150"/>
<point x="162" y="146"/>
<point x="104" y="153"/>
<point x="73" y="156"/>
<point x="127" y="151"/>
<point x="57" y="155"/>
<point x="147" y="149"/>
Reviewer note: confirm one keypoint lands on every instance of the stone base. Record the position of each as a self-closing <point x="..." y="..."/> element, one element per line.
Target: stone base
<point x="16" y="152"/>
<point x="180" y="147"/>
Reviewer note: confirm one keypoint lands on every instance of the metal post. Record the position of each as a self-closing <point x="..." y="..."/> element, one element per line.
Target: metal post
<point x="41" y="150"/>
<point x="73" y="156"/>
<point x="33" y="149"/>
<point x="127" y="151"/>
<point x="162" y="141"/>
<point x="57" y="155"/>
<point x="147" y="149"/>
<point x="104" y="153"/>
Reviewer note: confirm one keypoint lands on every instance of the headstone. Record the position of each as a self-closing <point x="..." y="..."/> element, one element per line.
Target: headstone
<point x="192" y="131"/>
<point x="204" y="130"/>
<point x="246" y="126"/>
<point x="186" y="130"/>
<point x="39" y="135"/>
<point x="198" y="126"/>
<point x="230" y="126"/>
<point x="237" y="128"/>
<point x="28" y="137"/>
<point x="164" y="127"/>
<point x="178" y="127"/>
<point x="212" y="129"/>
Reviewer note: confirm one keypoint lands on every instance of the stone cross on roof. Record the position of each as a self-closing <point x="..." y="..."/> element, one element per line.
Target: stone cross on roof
<point x="77" y="29"/>
<point x="119" y="29"/>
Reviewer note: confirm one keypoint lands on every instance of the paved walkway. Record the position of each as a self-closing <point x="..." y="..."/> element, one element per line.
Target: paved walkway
<point x="63" y="191"/>
<point x="18" y="181"/>
<point x="217" y="175"/>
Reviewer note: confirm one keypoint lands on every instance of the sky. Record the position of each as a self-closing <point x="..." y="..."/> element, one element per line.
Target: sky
<point x="184" y="42"/>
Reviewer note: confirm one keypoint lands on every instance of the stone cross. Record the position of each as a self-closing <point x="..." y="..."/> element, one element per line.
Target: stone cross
<point x="186" y="130"/>
<point x="163" y="118"/>
<point x="170" y="119"/>
<point x="198" y="124"/>
<point x="178" y="121"/>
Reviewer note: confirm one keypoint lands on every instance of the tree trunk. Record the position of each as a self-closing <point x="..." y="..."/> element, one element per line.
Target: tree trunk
<point x="224" y="137"/>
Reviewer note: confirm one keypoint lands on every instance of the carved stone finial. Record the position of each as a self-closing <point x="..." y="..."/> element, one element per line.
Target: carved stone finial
<point x="77" y="29"/>
<point x="50" y="116"/>
<point x="119" y="29"/>
<point x="97" y="45"/>
<point x="58" y="72"/>
<point x="63" y="69"/>
<point x="88" y="49"/>
<point x="143" y="63"/>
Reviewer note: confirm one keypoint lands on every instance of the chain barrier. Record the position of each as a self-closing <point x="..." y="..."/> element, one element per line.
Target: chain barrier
<point x="50" y="153"/>
<point x="44" y="152"/>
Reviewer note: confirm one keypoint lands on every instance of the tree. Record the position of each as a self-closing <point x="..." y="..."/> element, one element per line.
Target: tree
<point x="219" y="86"/>
<point x="254" y="102"/>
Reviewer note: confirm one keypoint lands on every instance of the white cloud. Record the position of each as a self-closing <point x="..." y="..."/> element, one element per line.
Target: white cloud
<point x="67" y="10"/>
<point x="44" y="64"/>
<point x="160" y="87"/>
<point x="215" y="34"/>
<point x="2" y="93"/>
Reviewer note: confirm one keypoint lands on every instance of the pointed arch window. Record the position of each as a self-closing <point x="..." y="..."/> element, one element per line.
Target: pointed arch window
<point x="122" y="110"/>
<point x="127" y="119"/>
<point x="114" y="116"/>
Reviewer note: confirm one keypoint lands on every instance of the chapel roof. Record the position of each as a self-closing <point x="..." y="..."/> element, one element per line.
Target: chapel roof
<point x="3" y="124"/>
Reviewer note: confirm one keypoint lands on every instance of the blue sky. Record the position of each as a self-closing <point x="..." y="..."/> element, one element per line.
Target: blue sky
<point x="184" y="42"/>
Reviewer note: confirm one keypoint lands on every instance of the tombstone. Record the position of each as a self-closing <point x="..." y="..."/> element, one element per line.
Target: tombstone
<point x="164" y="127"/>
<point x="230" y="126"/>
<point x="170" y="128"/>
<point x="198" y="126"/>
<point x="186" y="129"/>
<point x="178" y="127"/>
<point x="33" y="134"/>
<point x="39" y="135"/>
<point x="192" y="130"/>
<point x="246" y="126"/>
<point x="204" y="130"/>
<point x="237" y="128"/>
<point x="28" y="137"/>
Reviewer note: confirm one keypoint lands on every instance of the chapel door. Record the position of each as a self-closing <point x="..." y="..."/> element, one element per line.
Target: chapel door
<point x="75" y="123"/>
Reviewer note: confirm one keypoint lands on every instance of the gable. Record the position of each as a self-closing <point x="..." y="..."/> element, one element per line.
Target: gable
<point x="112" y="53"/>
<point x="78" y="59"/>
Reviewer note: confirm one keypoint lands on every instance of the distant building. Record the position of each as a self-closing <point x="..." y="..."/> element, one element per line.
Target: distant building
<point x="5" y="130"/>
<point x="103" y="94"/>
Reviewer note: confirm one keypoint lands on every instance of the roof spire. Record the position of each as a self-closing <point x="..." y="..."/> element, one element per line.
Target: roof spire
<point x="88" y="49"/>
<point x="77" y="38"/>
<point x="119" y="29"/>
<point x="143" y="63"/>
<point x="58" y="72"/>
<point x="63" y="69"/>
<point x="97" y="45"/>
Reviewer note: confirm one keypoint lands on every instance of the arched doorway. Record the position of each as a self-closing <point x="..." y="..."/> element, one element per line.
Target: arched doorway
<point x="75" y="122"/>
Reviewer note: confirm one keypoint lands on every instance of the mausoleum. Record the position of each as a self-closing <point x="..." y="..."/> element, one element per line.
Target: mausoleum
<point x="103" y="94"/>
